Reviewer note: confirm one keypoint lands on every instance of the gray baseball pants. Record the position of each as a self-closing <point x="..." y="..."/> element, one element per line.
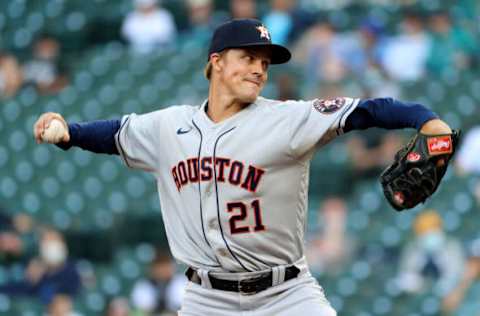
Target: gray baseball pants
<point x="299" y="296"/>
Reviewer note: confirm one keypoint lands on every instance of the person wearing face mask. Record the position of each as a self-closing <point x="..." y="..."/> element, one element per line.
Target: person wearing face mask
<point x="432" y="261"/>
<point x="49" y="274"/>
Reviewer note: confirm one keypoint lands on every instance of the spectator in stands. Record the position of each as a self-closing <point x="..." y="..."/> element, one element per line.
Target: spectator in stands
<point x="372" y="40"/>
<point x="286" y="87"/>
<point x="406" y="54"/>
<point x="149" y="27"/>
<point x="471" y="275"/>
<point x="200" y="14"/>
<point x="48" y="275"/>
<point x="45" y="69"/>
<point x="372" y="152"/>
<point x="451" y="47"/>
<point x="162" y="291"/>
<point x="363" y="58"/>
<point x="16" y="238"/>
<point x="279" y="21"/>
<point x="432" y="261"/>
<point x="118" y="306"/>
<point x="243" y="9"/>
<point x="61" y="305"/>
<point x="467" y="161"/>
<point x="286" y="21"/>
<point x="10" y="75"/>
<point x="317" y="50"/>
<point x="203" y="18"/>
<point x="330" y="249"/>
<point x="10" y="243"/>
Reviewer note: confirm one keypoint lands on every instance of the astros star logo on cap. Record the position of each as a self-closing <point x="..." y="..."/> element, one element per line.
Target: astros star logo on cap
<point x="263" y="32"/>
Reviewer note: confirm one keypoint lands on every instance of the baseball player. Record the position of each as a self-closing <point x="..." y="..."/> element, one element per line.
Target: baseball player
<point x="232" y="174"/>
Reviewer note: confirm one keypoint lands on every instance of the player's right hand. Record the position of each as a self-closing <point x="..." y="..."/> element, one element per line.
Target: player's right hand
<point x="43" y="123"/>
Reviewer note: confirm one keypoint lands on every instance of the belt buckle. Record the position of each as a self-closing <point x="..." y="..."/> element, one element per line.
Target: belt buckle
<point x="248" y="287"/>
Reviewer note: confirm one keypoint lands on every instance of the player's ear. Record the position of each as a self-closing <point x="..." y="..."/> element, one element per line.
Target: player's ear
<point x="217" y="61"/>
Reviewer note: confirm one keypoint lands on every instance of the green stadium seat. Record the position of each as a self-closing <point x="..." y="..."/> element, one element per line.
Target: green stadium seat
<point x="4" y="304"/>
<point x="135" y="187"/>
<point x="50" y="187"/>
<point x="109" y="171"/>
<point x="75" y="202"/>
<point x="110" y="284"/>
<point x="35" y="21"/>
<point x="358" y="220"/>
<point x="66" y="171"/>
<point x="28" y="97"/>
<point x="31" y="202"/>
<point x="391" y="236"/>
<point x="117" y="202"/>
<point x="103" y="219"/>
<point x="346" y="286"/>
<point x="144" y="253"/>
<point x="129" y="269"/>
<point x="17" y="140"/>
<point x="11" y="111"/>
<point x="61" y="219"/>
<point x="382" y="305"/>
<point x="8" y="187"/>
<point x="93" y="187"/>
<point x="431" y="306"/>
<point x="24" y="171"/>
<point x="82" y="158"/>
<point x="4" y="156"/>
<point x="95" y="302"/>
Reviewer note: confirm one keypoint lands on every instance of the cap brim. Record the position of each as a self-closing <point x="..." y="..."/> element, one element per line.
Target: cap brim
<point x="280" y="54"/>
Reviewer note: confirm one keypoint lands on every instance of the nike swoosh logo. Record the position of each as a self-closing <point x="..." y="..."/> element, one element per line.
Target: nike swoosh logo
<point x="180" y="131"/>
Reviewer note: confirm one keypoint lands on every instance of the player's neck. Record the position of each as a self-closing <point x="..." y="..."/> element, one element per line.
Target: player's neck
<point x="221" y="106"/>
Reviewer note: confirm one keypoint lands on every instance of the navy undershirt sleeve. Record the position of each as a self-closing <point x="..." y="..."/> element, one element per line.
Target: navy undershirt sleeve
<point x="96" y="136"/>
<point x="387" y="113"/>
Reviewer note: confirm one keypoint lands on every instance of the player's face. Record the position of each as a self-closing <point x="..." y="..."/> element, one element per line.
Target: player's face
<point x="244" y="72"/>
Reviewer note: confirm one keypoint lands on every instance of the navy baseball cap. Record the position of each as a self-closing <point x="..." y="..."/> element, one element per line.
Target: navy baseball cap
<point x="239" y="33"/>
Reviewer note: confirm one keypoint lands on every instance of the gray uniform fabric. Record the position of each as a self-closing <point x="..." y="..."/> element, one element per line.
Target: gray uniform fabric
<point x="233" y="194"/>
<point x="300" y="296"/>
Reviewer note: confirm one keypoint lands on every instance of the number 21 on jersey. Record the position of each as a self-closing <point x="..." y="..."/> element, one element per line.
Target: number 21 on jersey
<point x="240" y="211"/>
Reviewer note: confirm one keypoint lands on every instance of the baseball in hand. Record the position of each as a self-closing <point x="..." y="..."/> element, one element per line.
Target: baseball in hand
<point x="54" y="133"/>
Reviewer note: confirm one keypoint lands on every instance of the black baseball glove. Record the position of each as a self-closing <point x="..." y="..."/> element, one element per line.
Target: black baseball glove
<point x="418" y="169"/>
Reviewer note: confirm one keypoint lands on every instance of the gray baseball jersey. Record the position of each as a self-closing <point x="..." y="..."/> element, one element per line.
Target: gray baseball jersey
<point x="233" y="194"/>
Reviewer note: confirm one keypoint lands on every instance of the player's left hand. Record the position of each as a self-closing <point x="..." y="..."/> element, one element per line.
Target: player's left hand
<point x="418" y="169"/>
<point x="435" y="126"/>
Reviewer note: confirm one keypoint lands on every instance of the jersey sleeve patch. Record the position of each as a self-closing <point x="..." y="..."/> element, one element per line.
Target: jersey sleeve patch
<point x="329" y="106"/>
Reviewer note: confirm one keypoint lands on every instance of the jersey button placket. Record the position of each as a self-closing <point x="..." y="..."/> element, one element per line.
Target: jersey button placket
<point x="210" y="141"/>
<point x="209" y="198"/>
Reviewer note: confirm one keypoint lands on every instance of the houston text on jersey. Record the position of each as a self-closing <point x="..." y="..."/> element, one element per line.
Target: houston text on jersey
<point x="233" y="171"/>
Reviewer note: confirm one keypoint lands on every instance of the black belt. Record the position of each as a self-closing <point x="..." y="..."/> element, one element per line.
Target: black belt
<point x="249" y="286"/>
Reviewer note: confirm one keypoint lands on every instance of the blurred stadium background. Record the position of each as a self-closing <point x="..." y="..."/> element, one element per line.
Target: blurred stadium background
<point x="100" y="59"/>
